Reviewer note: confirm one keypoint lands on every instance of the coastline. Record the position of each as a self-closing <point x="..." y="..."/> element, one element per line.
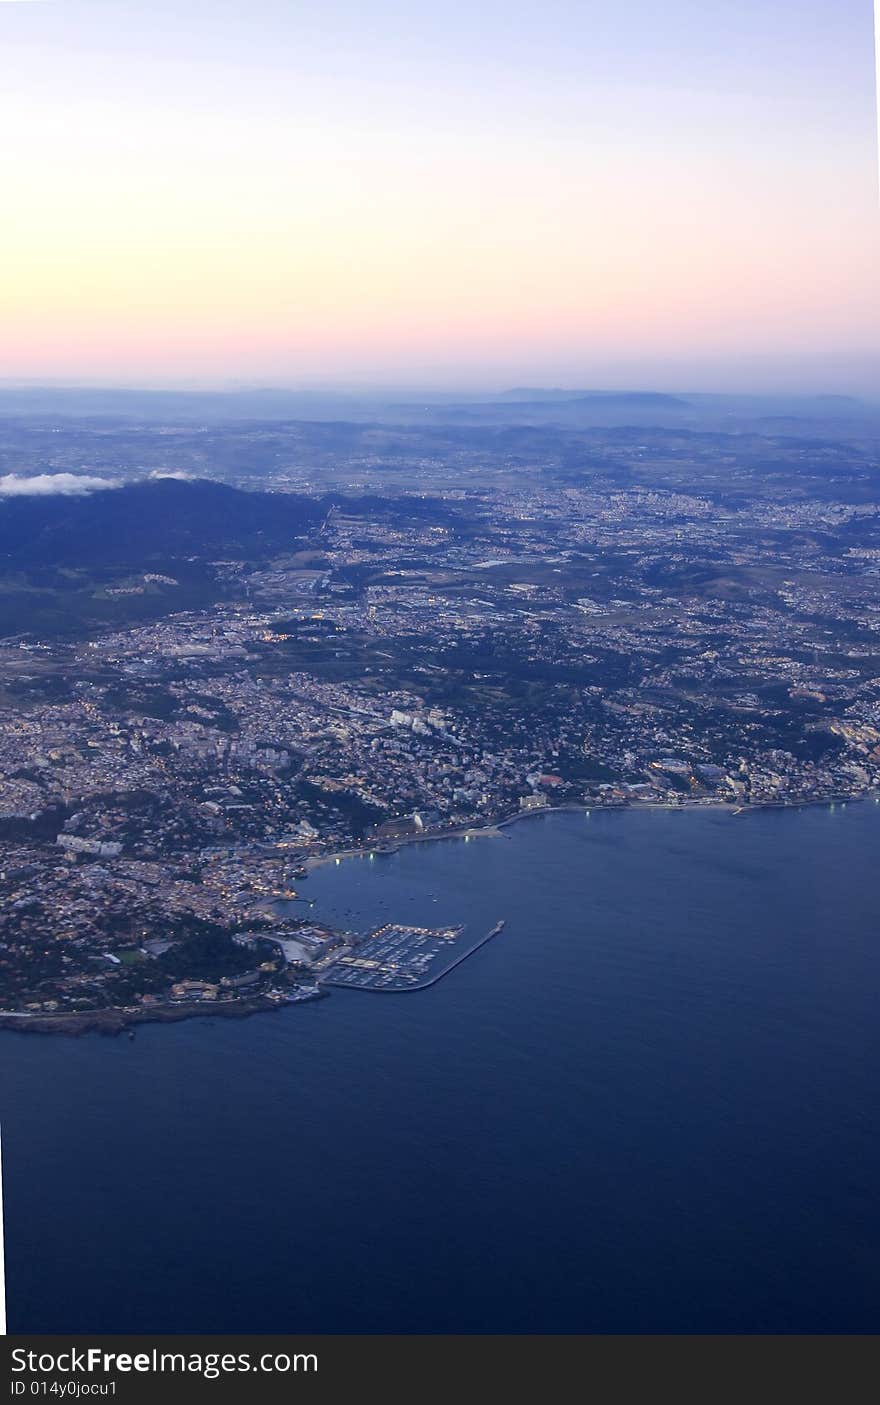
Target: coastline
<point x="494" y="829"/>
<point x="115" y="1021"/>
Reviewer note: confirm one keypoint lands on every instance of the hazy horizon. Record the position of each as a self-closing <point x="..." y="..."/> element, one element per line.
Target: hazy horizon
<point x="476" y="390"/>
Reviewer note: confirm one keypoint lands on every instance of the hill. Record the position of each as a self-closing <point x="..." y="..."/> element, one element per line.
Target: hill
<point x="141" y="523"/>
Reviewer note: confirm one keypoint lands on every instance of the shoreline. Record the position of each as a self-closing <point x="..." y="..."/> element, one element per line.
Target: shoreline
<point x="115" y="1021"/>
<point x="494" y="829"/>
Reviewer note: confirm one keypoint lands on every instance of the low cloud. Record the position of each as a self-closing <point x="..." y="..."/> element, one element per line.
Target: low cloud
<point x="42" y="485"/>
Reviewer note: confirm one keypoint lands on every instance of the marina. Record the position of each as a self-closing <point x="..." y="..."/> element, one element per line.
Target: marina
<point x="397" y="959"/>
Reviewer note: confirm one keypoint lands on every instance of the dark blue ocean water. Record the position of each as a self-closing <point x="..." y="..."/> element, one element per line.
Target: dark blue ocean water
<point x="650" y="1105"/>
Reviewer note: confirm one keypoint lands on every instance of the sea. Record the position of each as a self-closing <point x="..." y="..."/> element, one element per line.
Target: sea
<point x="650" y="1105"/>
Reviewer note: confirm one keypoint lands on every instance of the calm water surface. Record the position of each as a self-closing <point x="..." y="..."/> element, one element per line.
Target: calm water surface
<point x="650" y="1105"/>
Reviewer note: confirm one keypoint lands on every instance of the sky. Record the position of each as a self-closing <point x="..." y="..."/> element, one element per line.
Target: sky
<point x="461" y="195"/>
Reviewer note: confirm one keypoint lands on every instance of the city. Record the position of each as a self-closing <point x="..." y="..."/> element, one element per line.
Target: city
<point x="638" y="618"/>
